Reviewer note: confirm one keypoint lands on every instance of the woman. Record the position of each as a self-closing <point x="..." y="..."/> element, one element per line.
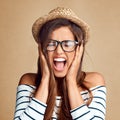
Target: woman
<point x="60" y="89"/>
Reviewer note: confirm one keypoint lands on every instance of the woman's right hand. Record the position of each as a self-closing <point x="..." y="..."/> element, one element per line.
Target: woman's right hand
<point x="44" y="66"/>
<point x="43" y="89"/>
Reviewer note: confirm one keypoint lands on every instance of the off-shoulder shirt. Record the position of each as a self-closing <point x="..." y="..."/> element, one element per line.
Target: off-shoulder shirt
<point x="30" y="108"/>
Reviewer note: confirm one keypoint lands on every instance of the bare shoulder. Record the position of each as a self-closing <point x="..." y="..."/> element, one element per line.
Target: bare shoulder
<point x="28" y="78"/>
<point x="93" y="79"/>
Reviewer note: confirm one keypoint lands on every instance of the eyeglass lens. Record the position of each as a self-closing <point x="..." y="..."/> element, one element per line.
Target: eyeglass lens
<point x="67" y="45"/>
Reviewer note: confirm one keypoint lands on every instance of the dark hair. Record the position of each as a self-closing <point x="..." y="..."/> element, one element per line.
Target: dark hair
<point x="44" y="35"/>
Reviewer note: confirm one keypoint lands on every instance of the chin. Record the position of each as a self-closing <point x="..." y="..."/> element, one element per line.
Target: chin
<point x="60" y="75"/>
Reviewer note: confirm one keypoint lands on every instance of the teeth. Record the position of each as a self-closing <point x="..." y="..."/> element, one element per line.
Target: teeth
<point x="59" y="59"/>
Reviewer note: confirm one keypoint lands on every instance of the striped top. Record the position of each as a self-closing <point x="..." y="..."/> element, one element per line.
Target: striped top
<point x="29" y="108"/>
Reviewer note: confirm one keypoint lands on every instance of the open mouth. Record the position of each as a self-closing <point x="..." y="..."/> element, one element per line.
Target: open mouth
<point x="59" y="63"/>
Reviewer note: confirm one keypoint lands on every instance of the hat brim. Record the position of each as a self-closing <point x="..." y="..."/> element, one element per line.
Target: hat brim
<point x="42" y="20"/>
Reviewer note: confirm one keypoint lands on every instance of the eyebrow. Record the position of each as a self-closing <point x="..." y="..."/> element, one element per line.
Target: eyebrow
<point x="62" y="40"/>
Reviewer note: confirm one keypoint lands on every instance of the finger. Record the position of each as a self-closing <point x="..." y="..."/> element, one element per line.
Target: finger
<point x="41" y="52"/>
<point x="76" y="57"/>
<point x="78" y="54"/>
<point x="42" y="57"/>
<point x="77" y="51"/>
<point x="81" y="48"/>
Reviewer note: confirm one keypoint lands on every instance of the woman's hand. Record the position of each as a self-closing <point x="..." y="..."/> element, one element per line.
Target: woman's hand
<point x="75" y="98"/>
<point x="42" y="92"/>
<point x="73" y="70"/>
<point x="44" y="66"/>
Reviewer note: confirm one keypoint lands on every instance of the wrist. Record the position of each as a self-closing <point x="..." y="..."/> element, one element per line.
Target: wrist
<point x="71" y="79"/>
<point x="71" y="82"/>
<point x="45" y="81"/>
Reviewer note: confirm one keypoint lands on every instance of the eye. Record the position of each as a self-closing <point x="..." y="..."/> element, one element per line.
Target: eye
<point x="52" y="43"/>
<point x="68" y="43"/>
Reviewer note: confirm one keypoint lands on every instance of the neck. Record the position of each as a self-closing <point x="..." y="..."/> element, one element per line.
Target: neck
<point x="60" y="84"/>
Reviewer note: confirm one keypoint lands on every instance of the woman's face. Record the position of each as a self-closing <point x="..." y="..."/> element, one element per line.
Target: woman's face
<point x="60" y="60"/>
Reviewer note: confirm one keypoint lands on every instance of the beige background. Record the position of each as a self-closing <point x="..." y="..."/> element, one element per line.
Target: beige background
<point x="18" y="51"/>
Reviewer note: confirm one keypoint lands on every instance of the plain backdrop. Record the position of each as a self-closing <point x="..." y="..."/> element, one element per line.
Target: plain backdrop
<point x="18" y="51"/>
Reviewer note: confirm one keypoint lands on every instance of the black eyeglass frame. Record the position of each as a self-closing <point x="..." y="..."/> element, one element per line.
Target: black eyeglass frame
<point x="61" y="42"/>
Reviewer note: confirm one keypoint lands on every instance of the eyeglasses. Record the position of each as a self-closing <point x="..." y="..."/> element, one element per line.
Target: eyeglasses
<point x="66" y="45"/>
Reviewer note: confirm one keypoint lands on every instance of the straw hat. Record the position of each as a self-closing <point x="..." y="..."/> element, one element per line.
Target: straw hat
<point x="59" y="12"/>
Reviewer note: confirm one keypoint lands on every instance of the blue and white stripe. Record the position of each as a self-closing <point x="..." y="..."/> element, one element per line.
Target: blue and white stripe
<point x="29" y="108"/>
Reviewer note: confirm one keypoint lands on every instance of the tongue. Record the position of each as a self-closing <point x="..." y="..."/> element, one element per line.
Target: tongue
<point x="59" y="66"/>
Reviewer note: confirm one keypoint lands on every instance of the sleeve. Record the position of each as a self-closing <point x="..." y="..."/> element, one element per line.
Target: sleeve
<point x="97" y="108"/>
<point x="27" y="107"/>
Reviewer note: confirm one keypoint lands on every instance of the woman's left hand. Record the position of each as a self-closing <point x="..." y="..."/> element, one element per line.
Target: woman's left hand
<point x="73" y="70"/>
<point x="74" y="95"/>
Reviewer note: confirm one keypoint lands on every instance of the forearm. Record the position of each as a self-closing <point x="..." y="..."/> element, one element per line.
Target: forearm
<point x="95" y="110"/>
<point x="42" y="92"/>
<point x="74" y="95"/>
<point x="35" y="110"/>
<point x="28" y="107"/>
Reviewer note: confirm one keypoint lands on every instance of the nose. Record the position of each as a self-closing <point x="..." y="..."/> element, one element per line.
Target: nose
<point x="59" y="49"/>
